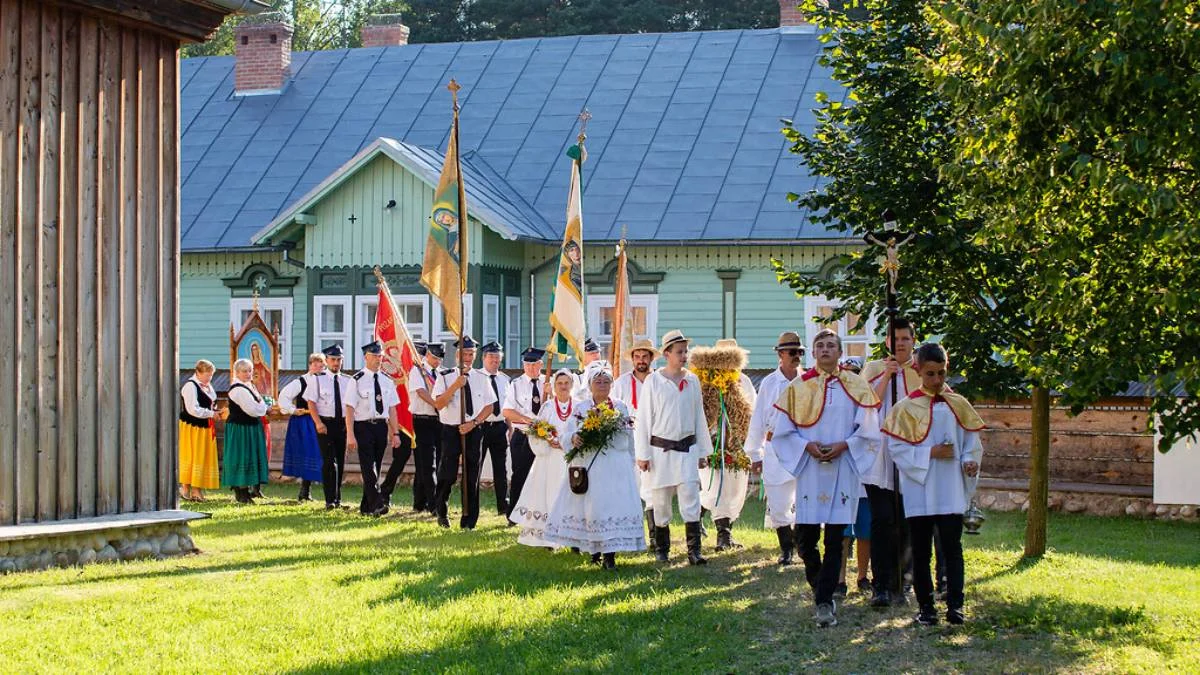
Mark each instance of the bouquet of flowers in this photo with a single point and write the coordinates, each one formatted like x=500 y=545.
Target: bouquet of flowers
x=735 y=460
x=543 y=430
x=597 y=428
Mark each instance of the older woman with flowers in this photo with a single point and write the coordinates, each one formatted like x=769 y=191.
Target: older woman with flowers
x=549 y=471
x=598 y=509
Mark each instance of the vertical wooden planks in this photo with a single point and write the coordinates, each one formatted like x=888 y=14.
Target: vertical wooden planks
x=108 y=278
x=68 y=253
x=10 y=169
x=144 y=135
x=125 y=368
x=26 y=263
x=168 y=345
x=87 y=287
x=46 y=335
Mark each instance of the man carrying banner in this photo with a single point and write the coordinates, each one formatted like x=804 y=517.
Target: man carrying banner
x=399 y=357
x=461 y=394
x=427 y=428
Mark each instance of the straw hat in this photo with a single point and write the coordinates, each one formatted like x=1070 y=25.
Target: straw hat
x=643 y=345
x=789 y=340
x=729 y=343
x=671 y=338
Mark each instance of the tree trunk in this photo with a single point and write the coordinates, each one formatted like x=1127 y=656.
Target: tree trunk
x=1039 y=475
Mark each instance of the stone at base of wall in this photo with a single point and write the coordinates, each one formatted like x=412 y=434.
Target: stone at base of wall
x=154 y=542
x=1085 y=502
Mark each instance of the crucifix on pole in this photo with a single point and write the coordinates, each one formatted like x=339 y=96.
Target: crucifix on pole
x=890 y=241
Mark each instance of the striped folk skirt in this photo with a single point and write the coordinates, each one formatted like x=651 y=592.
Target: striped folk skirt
x=245 y=461
x=302 y=449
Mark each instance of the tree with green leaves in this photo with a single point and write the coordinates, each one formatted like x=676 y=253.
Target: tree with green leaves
x=1008 y=300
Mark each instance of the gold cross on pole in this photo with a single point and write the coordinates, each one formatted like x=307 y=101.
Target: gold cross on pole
x=584 y=116
x=454 y=86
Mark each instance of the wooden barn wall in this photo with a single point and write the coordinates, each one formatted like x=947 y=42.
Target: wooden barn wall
x=88 y=265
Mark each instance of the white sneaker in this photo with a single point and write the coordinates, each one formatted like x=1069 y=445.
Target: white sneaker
x=825 y=615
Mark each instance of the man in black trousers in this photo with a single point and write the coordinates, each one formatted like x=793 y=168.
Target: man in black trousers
x=464 y=399
x=426 y=427
x=331 y=396
x=375 y=427
x=495 y=428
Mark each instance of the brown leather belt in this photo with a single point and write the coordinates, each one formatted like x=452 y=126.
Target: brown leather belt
x=682 y=445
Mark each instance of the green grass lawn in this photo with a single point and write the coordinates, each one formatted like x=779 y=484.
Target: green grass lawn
x=290 y=588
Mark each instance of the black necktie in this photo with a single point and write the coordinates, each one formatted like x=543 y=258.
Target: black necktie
x=378 y=395
x=496 y=405
x=337 y=398
x=467 y=396
x=537 y=397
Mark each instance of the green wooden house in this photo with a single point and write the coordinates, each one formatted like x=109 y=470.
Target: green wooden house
x=295 y=186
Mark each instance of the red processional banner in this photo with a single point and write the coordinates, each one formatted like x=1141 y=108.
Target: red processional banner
x=399 y=354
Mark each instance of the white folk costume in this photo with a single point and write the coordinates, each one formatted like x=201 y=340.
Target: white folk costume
x=826 y=408
x=880 y=473
x=671 y=433
x=778 y=483
x=729 y=399
x=546 y=477
x=936 y=491
x=608 y=517
x=627 y=389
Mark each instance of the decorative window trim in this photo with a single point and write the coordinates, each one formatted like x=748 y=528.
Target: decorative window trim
x=812 y=305
x=512 y=331
x=641 y=282
x=263 y=278
x=284 y=305
x=361 y=302
x=347 y=333
x=598 y=301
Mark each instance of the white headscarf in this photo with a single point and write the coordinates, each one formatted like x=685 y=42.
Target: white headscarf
x=597 y=367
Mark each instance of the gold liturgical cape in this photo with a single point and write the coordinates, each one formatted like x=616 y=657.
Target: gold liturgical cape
x=910 y=420
x=804 y=399
x=875 y=369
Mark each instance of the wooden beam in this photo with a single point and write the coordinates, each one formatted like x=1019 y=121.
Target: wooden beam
x=47 y=267
x=68 y=305
x=10 y=44
x=146 y=390
x=181 y=19
x=108 y=278
x=27 y=269
x=87 y=286
x=168 y=470
x=125 y=368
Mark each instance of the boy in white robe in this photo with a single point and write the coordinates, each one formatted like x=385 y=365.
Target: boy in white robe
x=935 y=444
x=828 y=430
x=672 y=444
x=778 y=484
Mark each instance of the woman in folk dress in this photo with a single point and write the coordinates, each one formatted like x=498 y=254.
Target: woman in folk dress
x=198 y=469
x=549 y=471
x=608 y=517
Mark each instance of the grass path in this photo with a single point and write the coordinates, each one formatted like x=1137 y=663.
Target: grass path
x=290 y=588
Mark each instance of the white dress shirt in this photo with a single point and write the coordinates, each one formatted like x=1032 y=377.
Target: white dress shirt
x=671 y=411
x=628 y=390
x=482 y=395
x=937 y=486
x=501 y=390
x=320 y=392
x=243 y=397
x=420 y=377
x=287 y=395
x=762 y=421
x=363 y=395
x=519 y=398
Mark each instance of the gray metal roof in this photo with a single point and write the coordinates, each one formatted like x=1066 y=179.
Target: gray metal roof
x=684 y=141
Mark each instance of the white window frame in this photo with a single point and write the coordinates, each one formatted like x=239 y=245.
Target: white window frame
x=491 y=318
x=347 y=334
x=284 y=305
x=417 y=331
x=468 y=320
x=596 y=302
x=812 y=305
x=512 y=331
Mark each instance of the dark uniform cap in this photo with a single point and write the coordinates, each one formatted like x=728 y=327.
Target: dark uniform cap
x=533 y=355
x=467 y=342
x=334 y=350
x=420 y=346
x=492 y=347
x=372 y=348
x=590 y=345
x=437 y=349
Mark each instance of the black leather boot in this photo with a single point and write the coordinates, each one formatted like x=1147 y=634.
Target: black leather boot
x=610 y=561
x=305 y=491
x=692 y=531
x=650 y=538
x=786 y=545
x=256 y=491
x=241 y=495
x=725 y=540
x=662 y=536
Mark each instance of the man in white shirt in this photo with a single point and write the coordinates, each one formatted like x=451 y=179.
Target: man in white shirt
x=464 y=399
x=522 y=403
x=333 y=390
x=672 y=444
x=626 y=389
x=426 y=427
x=494 y=441
x=779 y=485
x=372 y=404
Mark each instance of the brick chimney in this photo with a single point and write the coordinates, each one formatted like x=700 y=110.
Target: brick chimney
x=789 y=14
x=384 y=30
x=263 y=54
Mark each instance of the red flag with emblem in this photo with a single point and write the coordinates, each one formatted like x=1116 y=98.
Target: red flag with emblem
x=399 y=354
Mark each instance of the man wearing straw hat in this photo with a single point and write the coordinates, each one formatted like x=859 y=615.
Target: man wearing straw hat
x=627 y=389
x=672 y=444
x=779 y=485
